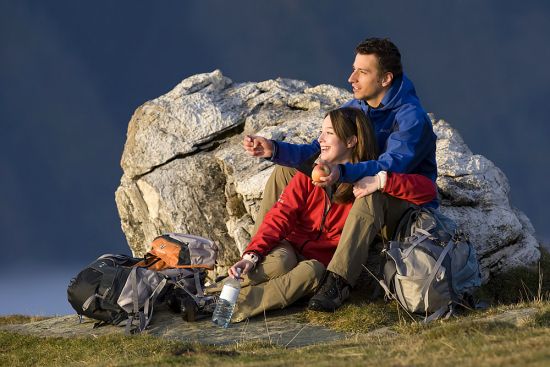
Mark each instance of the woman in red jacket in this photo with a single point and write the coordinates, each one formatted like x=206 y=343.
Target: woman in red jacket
x=287 y=257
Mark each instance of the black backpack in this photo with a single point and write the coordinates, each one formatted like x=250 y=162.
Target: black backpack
x=115 y=288
x=111 y=290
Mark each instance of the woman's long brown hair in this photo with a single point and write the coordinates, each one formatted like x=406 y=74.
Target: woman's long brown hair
x=347 y=122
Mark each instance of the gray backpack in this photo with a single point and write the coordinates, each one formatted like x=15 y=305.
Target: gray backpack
x=431 y=267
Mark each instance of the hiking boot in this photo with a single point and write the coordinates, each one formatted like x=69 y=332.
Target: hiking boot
x=333 y=291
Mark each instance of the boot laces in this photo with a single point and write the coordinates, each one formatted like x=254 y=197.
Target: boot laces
x=332 y=287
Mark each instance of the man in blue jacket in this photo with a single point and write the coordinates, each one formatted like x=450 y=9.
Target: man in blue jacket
x=406 y=143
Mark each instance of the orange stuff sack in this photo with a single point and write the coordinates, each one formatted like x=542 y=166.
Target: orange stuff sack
x=180 y=251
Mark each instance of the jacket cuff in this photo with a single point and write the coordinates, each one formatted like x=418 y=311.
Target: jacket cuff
x=275 y=151
x=382 y=179
x=252 y=256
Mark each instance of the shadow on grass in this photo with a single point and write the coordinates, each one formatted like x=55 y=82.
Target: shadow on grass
x=542 y=319
x=521 y=284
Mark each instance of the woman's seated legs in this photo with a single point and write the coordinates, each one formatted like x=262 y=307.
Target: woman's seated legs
x=280 y=291
x=279 y=261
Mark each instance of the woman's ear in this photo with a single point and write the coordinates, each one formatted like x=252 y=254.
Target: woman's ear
x=352 y=142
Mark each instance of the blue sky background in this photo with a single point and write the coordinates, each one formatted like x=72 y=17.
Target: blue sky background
x=73 y=72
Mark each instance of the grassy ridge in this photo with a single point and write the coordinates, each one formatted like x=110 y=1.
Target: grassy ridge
x=19 y=319
x=514 y=288
x=466 y=340
x=463 y=341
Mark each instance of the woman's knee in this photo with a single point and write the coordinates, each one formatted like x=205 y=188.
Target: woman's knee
x=283 y=259
x=279 y=261
x=368 y=206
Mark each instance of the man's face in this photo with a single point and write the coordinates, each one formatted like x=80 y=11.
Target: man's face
x=367 y=80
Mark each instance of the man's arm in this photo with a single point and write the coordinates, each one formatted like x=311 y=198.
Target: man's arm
x=405 y=149
x=293 y=155
x=279 y=152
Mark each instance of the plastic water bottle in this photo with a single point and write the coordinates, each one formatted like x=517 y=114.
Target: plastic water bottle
x=226 y=303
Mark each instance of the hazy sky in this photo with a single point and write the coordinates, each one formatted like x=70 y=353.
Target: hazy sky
x=73 y=72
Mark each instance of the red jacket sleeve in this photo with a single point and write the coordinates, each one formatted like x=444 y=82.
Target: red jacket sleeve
x=281 y=218
x=417 y=189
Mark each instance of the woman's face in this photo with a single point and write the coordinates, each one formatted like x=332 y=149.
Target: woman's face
x=333 y=150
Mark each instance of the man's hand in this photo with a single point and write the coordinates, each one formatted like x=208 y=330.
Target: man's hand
x=244 y=265
x=258 y=146
x=366 y=186
x=330 y=179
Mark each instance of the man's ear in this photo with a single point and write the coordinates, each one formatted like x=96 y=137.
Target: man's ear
x=387 y=78
x=352 y=142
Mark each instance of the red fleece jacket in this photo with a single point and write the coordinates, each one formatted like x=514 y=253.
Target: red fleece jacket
x=298 y=215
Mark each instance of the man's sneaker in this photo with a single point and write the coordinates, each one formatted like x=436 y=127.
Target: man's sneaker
x=333 y=291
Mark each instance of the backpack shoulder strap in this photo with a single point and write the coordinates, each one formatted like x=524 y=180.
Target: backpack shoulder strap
x=416 y=241
x=404 y=223
x=143 y=317
x=426 y=286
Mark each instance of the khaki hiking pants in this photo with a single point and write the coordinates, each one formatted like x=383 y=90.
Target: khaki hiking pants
x=369 y=216
x=276 y=282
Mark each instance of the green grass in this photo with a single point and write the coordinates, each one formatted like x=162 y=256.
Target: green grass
x=520 y=284
x=356 y=317
x=19 y=319
x=468 y=340
x=463 y=341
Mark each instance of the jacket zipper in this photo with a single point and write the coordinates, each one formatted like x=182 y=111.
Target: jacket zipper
x=325 y=212
x=326 y=209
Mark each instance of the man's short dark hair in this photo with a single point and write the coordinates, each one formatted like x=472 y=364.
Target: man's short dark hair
x=389 y=57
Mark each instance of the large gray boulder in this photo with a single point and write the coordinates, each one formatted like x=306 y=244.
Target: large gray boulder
x=185 y=170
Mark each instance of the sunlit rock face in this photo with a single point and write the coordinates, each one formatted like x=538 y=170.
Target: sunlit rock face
x=185 y=170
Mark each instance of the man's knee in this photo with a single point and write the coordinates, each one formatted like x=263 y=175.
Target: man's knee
x=279 y=179
x=282 y=175
x=368 y=206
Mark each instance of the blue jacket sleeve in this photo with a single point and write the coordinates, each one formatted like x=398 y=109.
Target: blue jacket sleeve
x=292 y=155
x=406 y=147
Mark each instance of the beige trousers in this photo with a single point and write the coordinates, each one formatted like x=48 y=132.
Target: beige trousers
x=369 y=216
x=276 y=282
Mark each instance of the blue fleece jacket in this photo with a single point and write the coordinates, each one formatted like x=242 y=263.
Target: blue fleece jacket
x=404 y=133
